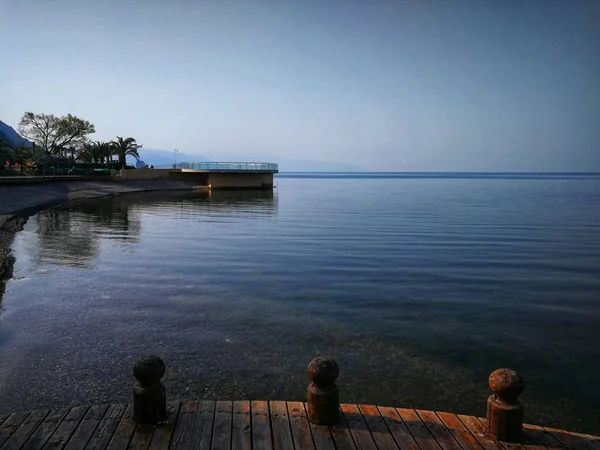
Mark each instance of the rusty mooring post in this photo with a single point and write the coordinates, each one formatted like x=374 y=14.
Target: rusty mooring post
x=323 y=399
x=504 y=410
x=149 y=395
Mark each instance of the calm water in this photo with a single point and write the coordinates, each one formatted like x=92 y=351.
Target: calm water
x=418 y=287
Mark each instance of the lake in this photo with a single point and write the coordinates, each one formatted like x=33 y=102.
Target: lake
x=419 y=287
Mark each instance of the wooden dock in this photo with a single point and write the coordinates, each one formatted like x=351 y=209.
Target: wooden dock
x=265 y=425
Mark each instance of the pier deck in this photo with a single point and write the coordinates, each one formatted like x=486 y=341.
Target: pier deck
x=265 y=425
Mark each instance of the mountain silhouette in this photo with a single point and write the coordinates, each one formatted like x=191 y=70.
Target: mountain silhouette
x=8 y=132
x=163 y=159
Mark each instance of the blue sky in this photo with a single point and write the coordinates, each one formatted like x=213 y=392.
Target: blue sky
x=391 y=85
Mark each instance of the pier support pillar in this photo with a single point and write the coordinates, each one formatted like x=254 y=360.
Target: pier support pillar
x=323 y=400
x=149 y=394
x=504 y=410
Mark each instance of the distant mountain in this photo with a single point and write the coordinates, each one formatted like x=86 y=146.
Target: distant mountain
x=163 y=159
x=12 y=135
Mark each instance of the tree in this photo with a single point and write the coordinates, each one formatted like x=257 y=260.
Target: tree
x=104 y=151
x=71 y=152
x=55 y=134
x=20 y=153
x=96 y=152
x=86 y=154
x=123 y=147
x=25 y=154
x=7 y=150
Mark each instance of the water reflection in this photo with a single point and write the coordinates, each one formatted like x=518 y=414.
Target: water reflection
x=7 y=259
x=72 y=235
x=64 y=237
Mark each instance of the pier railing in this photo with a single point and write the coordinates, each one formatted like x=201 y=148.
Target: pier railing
x=229 y=166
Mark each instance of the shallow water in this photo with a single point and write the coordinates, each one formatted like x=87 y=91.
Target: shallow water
x=417 y=287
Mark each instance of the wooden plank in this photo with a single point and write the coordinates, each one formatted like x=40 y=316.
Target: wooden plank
x=479 y=432
x=25 y=430
x=10 y=425
x=203 y=426
x=66 y=428
x=505 y=445
x=86 y=428
x=261 y=426
x=163 y=432
x=585 y=435
x=379 y=430
x=358 y=428
x=530 y=443
x=184 y=430
x=592 y=440
x=542 y=436
x=341 y=434
x=280 y=423
x=418 y=429
x=402 y=436
x=512 y=446
x=106 y=427
x=323 y=437
x=301 y=434
x=570 y=440
x=124 y=430
x=459 y=431
x=241 y=432
x=282 y=426
x=41 y=435
x=436 y=427
x=142 y=435
x=3 y=417
x=534 y=438
x=221 y=438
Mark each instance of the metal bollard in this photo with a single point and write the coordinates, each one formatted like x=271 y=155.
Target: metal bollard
x=504 y=410
x=323 y=402
x=149 y=394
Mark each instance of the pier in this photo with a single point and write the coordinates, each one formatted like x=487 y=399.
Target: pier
x=152 y=422
x=209 y=175
x=213 y=175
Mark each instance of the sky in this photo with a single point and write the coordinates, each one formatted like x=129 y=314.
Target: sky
x=414 y=85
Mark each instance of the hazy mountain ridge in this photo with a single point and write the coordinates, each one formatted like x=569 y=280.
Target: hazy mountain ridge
x=164 y=159
x=12 y=135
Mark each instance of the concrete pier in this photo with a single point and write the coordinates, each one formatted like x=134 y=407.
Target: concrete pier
x=214 y=175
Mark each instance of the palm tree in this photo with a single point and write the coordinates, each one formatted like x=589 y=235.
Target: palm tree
x=123 y=147
x=86 y=153
x=104 y=150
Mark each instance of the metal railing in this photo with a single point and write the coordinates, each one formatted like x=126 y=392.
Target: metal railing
x=230 y=166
